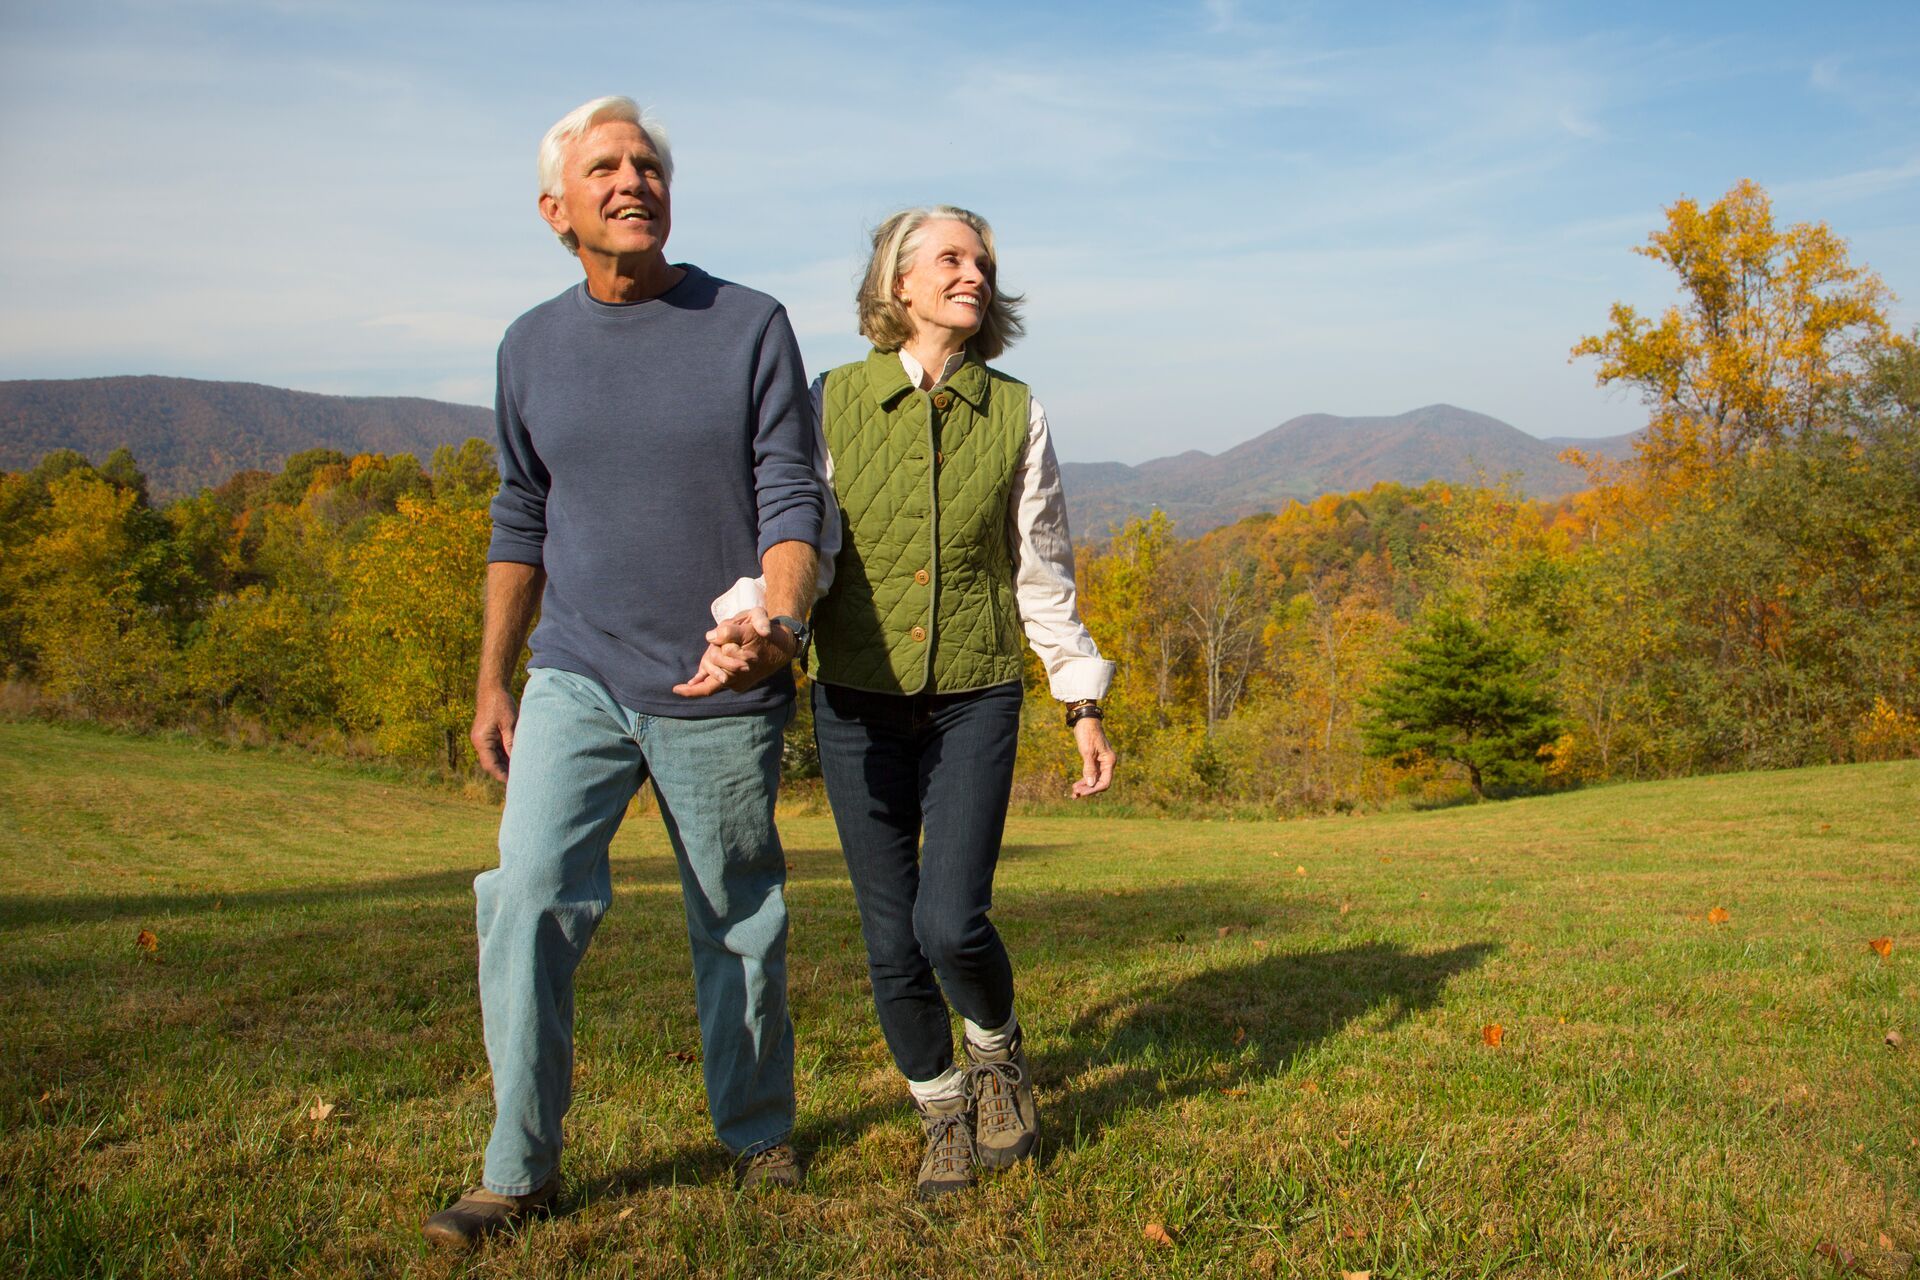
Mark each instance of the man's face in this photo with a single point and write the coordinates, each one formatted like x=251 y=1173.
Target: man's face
x=613 y=194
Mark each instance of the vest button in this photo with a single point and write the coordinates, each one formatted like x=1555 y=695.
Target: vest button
x=942 y=400
x=921 y=577
x=940 y=458
x=919 y=633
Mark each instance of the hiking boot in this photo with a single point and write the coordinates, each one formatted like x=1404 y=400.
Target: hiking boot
x=948 y=1165
x=1006 y=1123
x=480 y=1212
x=777 y=1166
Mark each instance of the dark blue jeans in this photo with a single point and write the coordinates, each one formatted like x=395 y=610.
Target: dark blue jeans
x=919 y=786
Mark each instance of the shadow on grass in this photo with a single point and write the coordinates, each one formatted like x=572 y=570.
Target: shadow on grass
x=357 y=987
x=1234 y=1025
x=19 y=910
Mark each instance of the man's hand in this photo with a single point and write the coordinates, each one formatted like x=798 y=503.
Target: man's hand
x=741 y=652
x=495 y=714
x=1096 y=759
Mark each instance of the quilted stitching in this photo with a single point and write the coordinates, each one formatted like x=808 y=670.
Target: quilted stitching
x=949 y=519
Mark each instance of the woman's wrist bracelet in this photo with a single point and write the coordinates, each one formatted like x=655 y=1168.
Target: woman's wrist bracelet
x=1084 y=709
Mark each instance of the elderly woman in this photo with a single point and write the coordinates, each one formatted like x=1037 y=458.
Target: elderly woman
x=953 y=541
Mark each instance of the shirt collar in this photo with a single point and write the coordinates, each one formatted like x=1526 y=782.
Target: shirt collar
x=892 y=377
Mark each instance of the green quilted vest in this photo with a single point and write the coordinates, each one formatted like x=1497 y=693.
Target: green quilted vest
x=922 y=596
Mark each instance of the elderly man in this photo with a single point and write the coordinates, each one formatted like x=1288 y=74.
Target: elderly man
x=656 y=445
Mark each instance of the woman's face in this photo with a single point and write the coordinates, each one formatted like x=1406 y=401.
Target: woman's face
x=944 y=287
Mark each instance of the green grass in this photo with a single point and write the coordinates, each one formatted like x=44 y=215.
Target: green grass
x=1286 y=1070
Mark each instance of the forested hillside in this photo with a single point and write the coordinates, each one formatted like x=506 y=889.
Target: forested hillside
x=190 y=434
x=1319 y=453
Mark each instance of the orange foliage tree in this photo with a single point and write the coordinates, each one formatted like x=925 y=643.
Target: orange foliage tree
x=1772 y=327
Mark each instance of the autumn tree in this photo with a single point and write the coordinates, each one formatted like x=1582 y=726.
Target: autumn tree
x=407 y=640
x=1772 y=326
x=1465 y=694
x=264 y=654
x=465 y=475
x=88 y=616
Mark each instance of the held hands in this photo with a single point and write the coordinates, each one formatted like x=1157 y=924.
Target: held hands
x=495 y=714
x=1096 y=759
x=741 y=652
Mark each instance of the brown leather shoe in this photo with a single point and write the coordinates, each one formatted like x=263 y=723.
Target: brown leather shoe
x=480 y=1212
x=1007 y=1122
x=777 y=1166
x=947 y=1166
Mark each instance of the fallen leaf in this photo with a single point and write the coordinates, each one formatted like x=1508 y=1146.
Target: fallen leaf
x=1308 y=1086
x=1344 y=1139
x=1235 y=1093
x=1826 y=826
x=1719 y=915
x=147 y=942
x=624 y=1214
x=46 y=1095
x=1886 y=1241
x=1492 y=1033
x=1895 y=1040
x=1842 y=1258
x=1299 y=871
x=319 y=1111
x=1239 y=1035
x=1346 y=907
x=683 y=1055
x=1882 y=947
x=1156 y=1233
x=1356 y=1275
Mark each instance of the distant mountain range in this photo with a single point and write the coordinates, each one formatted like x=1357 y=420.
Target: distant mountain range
x=188 y=434
x=1320 y=453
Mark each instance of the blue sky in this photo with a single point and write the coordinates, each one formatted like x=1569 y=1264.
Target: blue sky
x=1223 y=214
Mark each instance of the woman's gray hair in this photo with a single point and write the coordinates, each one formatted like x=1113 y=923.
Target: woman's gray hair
x=571 y=126
x=884 y=320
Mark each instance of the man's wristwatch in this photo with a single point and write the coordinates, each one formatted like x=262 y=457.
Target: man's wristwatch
x=1084 y=709
x=802 y=636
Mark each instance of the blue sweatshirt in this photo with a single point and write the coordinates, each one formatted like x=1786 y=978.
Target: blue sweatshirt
x=650 y=452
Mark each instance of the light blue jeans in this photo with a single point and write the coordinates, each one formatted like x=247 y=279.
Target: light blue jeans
x=578 y=758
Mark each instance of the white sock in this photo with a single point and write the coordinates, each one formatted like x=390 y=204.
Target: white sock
x=945 y=1087
x=998 y=1040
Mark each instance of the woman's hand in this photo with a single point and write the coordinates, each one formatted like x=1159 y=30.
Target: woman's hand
x=1096 y=759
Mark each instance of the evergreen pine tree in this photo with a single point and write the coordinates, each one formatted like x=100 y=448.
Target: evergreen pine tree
x=1464 y=694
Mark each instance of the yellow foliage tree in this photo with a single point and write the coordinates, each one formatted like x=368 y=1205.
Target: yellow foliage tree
x=98 y=642
x=407 y=640
x=1772 y=328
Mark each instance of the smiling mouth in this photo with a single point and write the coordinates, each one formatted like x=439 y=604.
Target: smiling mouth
x=633 y=215
x=966 y=300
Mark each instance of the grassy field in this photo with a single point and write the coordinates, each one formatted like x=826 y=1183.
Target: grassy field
x=1266 y=1039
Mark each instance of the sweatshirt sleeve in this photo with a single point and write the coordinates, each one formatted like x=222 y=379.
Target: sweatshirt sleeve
x=520 y=507
x=751 y=593
x=786 y=489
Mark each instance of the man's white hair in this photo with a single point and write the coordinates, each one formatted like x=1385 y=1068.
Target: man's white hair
x=571 y=126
